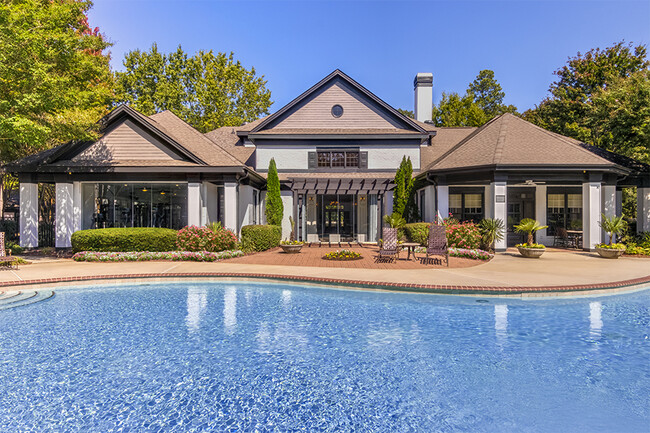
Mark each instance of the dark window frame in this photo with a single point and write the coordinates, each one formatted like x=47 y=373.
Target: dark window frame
x=463 y=214
x=343 y=158
x=551 y=220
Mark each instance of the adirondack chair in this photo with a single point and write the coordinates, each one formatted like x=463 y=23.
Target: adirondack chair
x=436 y=244
x=389 y=250
x=312 y=238
x=4 y=258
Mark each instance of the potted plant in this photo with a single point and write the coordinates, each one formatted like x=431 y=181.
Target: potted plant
x=530 y=249
x=614 y=225
x=292 y=246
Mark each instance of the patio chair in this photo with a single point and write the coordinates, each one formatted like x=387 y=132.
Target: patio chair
x=361 y=238
x=389 y=250
x=561 y=238
x=4 y=258
x=313 y=239
x=436 y=244
x=335 y=239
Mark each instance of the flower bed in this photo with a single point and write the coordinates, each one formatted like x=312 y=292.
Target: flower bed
x=464 y=253
x=143 y=256
x=470 y=254
x=342 y=255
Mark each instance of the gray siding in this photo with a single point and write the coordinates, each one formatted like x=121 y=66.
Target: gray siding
x=358 y=112
x=127 y=141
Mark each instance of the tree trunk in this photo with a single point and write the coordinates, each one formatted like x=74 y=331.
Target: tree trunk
x=530 y=239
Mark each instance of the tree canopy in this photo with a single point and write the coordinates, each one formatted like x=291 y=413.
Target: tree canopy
x=601 y=98
x=55 y=80
x=208 y=90
x=488 y=94
x=482 y=101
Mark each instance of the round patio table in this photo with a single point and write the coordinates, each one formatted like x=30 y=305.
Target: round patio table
x=411 y=248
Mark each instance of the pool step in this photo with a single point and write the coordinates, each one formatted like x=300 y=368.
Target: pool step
x=21 y=299
x=11 y=294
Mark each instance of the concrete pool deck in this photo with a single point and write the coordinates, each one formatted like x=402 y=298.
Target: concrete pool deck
x=508 y=273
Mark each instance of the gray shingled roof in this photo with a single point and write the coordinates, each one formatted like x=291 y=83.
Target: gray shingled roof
x=508 y=140
x=193 y=140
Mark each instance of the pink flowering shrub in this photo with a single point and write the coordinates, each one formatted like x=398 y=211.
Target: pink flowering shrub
x=143 y=256
x=193 y=238
x=465 y=235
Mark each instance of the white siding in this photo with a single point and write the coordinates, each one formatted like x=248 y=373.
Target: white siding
x=294 y=157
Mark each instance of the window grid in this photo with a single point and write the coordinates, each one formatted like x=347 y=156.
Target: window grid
x=338 y=159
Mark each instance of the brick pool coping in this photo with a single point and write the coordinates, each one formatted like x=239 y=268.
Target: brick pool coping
x=617 y=286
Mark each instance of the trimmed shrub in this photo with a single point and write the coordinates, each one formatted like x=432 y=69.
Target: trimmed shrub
x=124 y=239
x=417 y=232
x=260 y=237
x=463 y=235
x=214 y=239
x=274 y=208
x=10 y=227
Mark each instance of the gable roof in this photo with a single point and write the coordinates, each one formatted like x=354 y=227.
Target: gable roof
x=508 y=140
x=195 y=148
x=410 y=124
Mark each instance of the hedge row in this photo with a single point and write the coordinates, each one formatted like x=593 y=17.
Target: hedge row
x=124 y=239
x=260 y=237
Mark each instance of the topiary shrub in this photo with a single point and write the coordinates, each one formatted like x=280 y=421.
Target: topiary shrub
x=260 y=237
x=124 y=239
x=463 y=235
x=214 y=238
x=417 y=232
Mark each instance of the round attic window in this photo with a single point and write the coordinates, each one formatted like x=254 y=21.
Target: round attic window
x=337 y=111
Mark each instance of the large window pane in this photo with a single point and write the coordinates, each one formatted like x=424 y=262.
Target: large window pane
x=123 y=205
x=179 y=205
x=161 y=205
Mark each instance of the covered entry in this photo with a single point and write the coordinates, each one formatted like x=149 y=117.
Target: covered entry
x=521 y=204
x=351 y=208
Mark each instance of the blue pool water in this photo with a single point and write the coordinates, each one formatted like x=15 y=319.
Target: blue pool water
x=262 y=357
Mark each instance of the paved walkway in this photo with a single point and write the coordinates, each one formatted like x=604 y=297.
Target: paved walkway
x=556 y=269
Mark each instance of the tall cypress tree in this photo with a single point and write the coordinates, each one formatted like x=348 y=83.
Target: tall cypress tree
x=399 y=197
x=410 y=208
x=274 y=208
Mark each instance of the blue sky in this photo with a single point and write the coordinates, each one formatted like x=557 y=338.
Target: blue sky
x=381 y=44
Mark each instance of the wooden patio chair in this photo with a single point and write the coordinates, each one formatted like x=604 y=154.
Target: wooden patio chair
x=389 y=250
x=335 y=239
x=436 y=244
x=313 y=239
x=361 y=238
x=4 y=258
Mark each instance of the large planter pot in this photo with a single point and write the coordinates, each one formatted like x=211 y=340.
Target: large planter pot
x=609 y=253
x=531 y=253
x=291 y=249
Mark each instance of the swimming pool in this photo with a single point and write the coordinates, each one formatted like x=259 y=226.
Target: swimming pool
x=273 y=357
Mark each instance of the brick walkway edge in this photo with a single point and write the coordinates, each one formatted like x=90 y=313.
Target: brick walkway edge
x=374 y=285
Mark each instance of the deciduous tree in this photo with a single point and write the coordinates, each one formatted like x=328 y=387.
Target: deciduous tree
x=208 y=90
x=55 y=81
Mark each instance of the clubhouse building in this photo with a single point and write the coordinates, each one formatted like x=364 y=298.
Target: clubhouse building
x=337 y=147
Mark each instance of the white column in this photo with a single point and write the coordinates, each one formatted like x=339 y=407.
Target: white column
x=498 y=196
x=591 y=208
x=372 y=218
x=643 y=209
x=429 y=203
x=287 y=203
x=194 y=203
x=619 y=202
x=28 y=215
x=64 y=218
x=230 y=203
x=541 y=214
x=77 y=203
x=442 y=198
x=608 y=203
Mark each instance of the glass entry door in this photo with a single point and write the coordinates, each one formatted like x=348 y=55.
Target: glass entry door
x=337 y=215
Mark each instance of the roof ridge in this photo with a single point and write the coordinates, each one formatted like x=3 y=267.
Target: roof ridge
x=501 y=139
x=204 y=137
x=560 y=137
x=471 y=135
